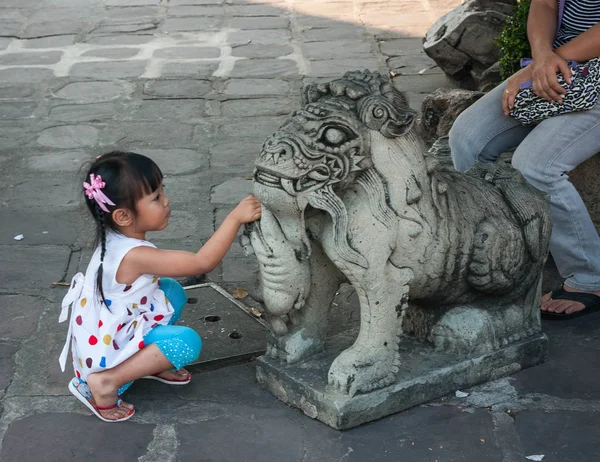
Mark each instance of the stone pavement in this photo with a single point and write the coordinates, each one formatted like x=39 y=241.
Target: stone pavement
x=197 y=85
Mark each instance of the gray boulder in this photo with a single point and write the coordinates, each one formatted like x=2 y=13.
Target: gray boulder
x=490 y=78
x=440 y=109
x=585 y=179
x=462 y=41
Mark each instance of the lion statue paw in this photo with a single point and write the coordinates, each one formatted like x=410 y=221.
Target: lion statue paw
x=294 y=347
x=358 y=371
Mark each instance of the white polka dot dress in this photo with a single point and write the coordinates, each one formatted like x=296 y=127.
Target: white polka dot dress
x=105 y=335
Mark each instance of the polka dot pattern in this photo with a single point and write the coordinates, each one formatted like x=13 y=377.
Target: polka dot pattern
x=178 y=352
x=112 y=334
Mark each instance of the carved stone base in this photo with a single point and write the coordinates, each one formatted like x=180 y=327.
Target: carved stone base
x=425 y=375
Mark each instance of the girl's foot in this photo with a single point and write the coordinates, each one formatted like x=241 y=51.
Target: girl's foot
x=179 y=375
x=105 y=400
x=172 y=377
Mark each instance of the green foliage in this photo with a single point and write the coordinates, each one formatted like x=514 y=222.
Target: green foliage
x=513 y=41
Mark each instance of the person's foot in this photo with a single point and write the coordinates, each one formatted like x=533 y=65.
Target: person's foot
x=550 y=305
x=178 y=375
x=105 y=396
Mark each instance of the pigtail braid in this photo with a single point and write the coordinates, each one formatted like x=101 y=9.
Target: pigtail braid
x=116 y=180
x=99 y=216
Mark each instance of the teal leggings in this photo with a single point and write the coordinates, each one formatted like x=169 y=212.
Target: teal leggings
x=180 y=345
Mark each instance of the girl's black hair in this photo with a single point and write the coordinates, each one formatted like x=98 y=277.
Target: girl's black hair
x=128 y=177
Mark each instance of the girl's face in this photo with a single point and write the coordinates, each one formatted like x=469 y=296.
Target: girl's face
x=153 y=212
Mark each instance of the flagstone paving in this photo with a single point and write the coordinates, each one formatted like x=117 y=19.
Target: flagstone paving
x=197 y=85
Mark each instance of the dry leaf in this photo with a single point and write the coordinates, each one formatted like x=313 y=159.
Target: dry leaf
x=482 y=440
x=65 y=284
x=240 y=293
x=256 y=312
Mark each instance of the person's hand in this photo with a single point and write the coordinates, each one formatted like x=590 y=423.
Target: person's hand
x=249 y=209
x=513 y=85
x=543 y=72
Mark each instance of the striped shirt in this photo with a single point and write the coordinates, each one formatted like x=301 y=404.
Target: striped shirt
x=578 y=16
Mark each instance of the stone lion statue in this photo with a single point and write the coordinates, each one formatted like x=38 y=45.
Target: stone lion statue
x=351 y=194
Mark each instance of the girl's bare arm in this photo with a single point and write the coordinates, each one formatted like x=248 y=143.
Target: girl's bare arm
x=177 y=263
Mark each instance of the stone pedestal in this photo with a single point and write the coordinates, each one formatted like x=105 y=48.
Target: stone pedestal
x=425 y=374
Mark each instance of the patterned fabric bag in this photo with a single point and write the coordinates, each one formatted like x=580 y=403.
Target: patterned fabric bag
x=582 y=94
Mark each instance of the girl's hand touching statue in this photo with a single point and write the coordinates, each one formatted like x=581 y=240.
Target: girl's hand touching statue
x=249 y=209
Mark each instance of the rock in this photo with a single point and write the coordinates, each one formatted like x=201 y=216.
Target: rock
x=490 y=78
x=441 y=108
x=585 y=179
x=462 y=41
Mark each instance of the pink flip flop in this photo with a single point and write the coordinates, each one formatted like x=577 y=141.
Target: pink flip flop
x=80 y=389
x=185 y=381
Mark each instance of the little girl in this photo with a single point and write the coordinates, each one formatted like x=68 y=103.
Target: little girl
x=122 y=313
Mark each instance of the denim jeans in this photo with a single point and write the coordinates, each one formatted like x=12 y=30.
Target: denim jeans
x=545 y=155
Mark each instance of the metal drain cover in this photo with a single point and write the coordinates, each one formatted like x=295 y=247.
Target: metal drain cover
x=230 y=333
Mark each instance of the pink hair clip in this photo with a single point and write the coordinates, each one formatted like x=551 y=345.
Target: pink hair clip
x=93 y=190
